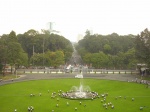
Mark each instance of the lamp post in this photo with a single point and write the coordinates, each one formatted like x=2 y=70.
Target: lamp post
x=33 y=55
x=43 y=50
x=16 y=73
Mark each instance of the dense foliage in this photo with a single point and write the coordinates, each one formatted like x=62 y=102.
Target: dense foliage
x=11 y=51
x=34 y=48
x=143 y=47
x=100 y=51
x=38 y=44
x=109 y=51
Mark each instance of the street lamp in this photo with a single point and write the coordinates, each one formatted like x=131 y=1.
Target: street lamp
x=33 y=55
x=43 y=50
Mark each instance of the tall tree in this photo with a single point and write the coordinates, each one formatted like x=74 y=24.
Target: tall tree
x=143 y=46
x=3 y=55
x=12 y=37
x=15 y=52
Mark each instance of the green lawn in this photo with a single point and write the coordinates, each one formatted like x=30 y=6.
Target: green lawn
x=8 y=76
x=17 y=96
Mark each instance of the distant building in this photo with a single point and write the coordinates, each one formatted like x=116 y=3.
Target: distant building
x=51 y=27
x=91 y=32
x=8 y=68
x=79 y=37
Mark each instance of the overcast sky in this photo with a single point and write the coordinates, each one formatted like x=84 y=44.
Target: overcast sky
x=73 y=17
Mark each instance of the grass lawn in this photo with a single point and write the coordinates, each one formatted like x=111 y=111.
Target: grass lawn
x=120 y=94
x=8 y=76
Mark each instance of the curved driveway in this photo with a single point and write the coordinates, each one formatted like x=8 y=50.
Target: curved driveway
x=26 y=77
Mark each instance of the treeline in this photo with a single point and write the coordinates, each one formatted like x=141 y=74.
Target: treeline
x=34 y=49
x=108 y=51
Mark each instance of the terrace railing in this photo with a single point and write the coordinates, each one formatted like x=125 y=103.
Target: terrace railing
x=88 y=71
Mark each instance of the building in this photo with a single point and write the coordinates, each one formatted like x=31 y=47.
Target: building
x=79 y=37
x=51 y=27
x=8 y=68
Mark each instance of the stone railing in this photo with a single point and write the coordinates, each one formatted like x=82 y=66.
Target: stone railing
x=98 y=71
x=89 y=71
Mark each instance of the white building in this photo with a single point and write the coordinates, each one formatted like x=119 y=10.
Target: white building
x=79 y=37
x=51 y=27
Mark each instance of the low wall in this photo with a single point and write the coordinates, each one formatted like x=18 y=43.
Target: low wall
x=61 y=71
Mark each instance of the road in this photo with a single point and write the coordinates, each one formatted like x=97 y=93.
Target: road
x=76 y=58
x=27 y=77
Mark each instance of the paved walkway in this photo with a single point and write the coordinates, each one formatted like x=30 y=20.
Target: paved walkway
x=26 y=77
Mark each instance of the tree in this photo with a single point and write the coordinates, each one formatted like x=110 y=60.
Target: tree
x=32 y=32
x=2 y=55
x=99 y=60
x=33 y=42
x=16 y=54
x=3 y=50
x=131 y=58
x=50 y=58
x=12 y=37
x=107 y=48
x=114 y=47
x=87 y=58
x=59 y=60
x=87 y=33
x=37 y=59
x=11 y=51
x=143 y=47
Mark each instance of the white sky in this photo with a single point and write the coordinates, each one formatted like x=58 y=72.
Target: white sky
x=73 y=17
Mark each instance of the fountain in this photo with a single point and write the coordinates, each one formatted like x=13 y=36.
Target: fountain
x=81 y=92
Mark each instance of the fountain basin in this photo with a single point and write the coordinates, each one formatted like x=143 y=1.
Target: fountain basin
x=80 y=95
x=81 y=92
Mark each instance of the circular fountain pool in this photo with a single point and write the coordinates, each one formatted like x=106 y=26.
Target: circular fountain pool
x=80 y=92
